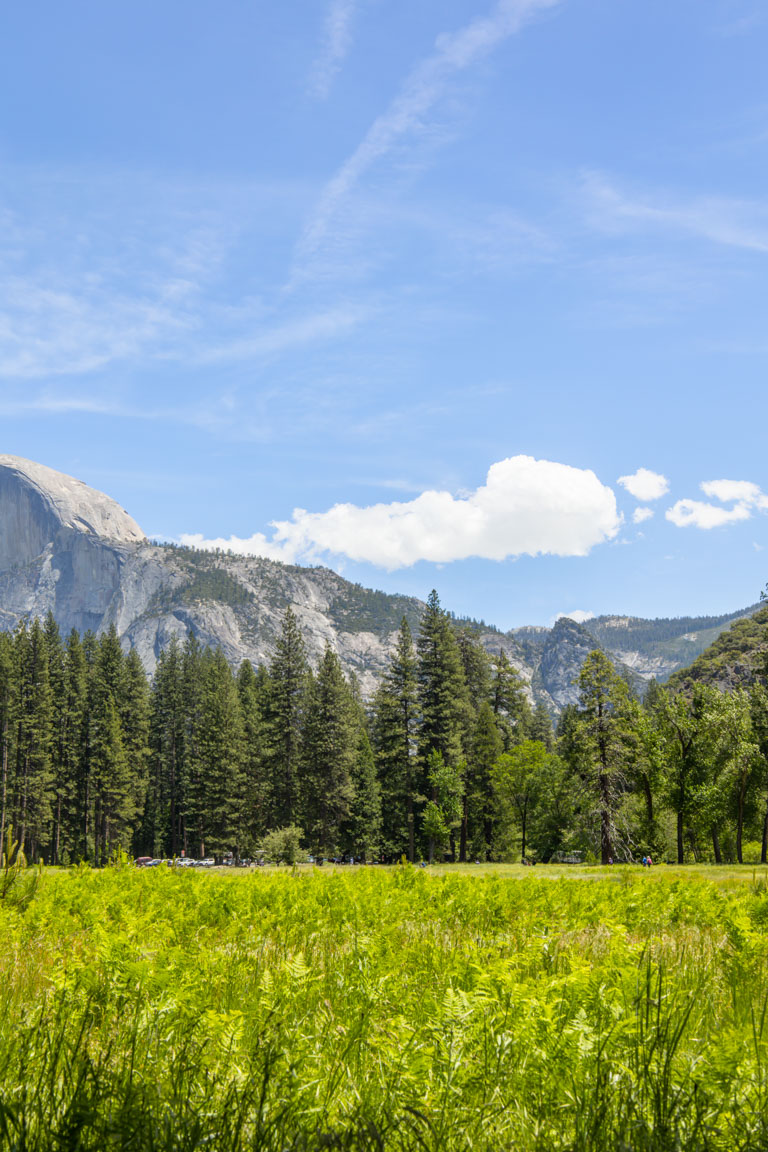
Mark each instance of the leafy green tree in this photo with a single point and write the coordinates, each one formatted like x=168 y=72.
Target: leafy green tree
x=759 y=711
x=518 y=777
x=738 y=752
x=442 y=813
x=683 y=726
x=283 y=845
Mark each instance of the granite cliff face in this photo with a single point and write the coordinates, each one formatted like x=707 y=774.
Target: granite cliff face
x=62 y=546
x=67 y=548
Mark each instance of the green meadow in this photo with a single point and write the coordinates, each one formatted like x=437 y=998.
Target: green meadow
x=371 y=1008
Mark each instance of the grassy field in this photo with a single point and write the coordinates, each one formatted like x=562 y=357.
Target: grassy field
x=404 y=1008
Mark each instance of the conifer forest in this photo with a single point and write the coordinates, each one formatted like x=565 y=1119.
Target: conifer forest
x=448 y=761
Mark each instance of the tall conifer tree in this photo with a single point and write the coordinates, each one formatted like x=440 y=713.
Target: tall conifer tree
x=289 y=679
x=395 y=739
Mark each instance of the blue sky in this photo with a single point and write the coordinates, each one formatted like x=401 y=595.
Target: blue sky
x=417 y=283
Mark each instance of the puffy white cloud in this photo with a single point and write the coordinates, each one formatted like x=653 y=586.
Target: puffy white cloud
x=578 y=614
x=645 y=485
x=698 y=514
x=743 y=496
x=642 y=514
x=742 y=490
x=526 y=507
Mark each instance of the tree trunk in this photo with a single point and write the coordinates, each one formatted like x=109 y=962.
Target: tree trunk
x=173 y=797
x=716 y=844
x=522 y=828
x=463 y=837
x=5 y=786
x=606 y=846
x=648 y=799
x=57 y=837
x=764 y=845
x=740 y=819
x=680 y=848
x=23 y=829
x=411 y=822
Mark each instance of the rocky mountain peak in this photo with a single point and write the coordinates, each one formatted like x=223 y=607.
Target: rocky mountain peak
x=38 y=505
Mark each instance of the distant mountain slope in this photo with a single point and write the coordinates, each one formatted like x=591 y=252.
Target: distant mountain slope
x=734 y=657
x=657 y=648
x=69 y=549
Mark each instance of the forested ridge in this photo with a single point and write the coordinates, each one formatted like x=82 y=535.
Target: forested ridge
x=448 y=758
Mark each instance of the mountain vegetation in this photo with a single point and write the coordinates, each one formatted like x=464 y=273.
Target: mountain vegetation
x=447 y=759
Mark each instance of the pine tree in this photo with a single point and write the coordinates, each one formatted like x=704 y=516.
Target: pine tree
x=362 y=829
x=217 y=802
x=510 y=703
x=34 y=733
x=602 y=739
x=252 y=690
x=72 y=785
x=395 y=732
x=162 y=820
x=328 y=760
x=540 y=727
x=443 y=695
x=114 y=806
x=8 y=700
x=478 y=806
x=289 y=679
x=190 y=785
x=135 y=710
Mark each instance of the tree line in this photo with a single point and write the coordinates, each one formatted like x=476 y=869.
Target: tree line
x=448 y=758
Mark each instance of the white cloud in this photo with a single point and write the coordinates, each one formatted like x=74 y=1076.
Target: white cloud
x=579 y=615
x=729 y=222
x=407 y=114
x=742 y=490
x=698 y=514
x=642 y=514
x=744 y=496
x=645 y=485
x=337 y=40
x=526 y=507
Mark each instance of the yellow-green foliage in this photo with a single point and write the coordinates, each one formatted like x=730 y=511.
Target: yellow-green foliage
x=384 y=1009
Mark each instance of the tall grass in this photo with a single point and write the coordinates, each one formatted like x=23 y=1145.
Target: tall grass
x=383 y=1010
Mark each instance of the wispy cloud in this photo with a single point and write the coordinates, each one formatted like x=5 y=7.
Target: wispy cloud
x=731 y=222
x=295 y=333
x=337 y=41
x=408 y=114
